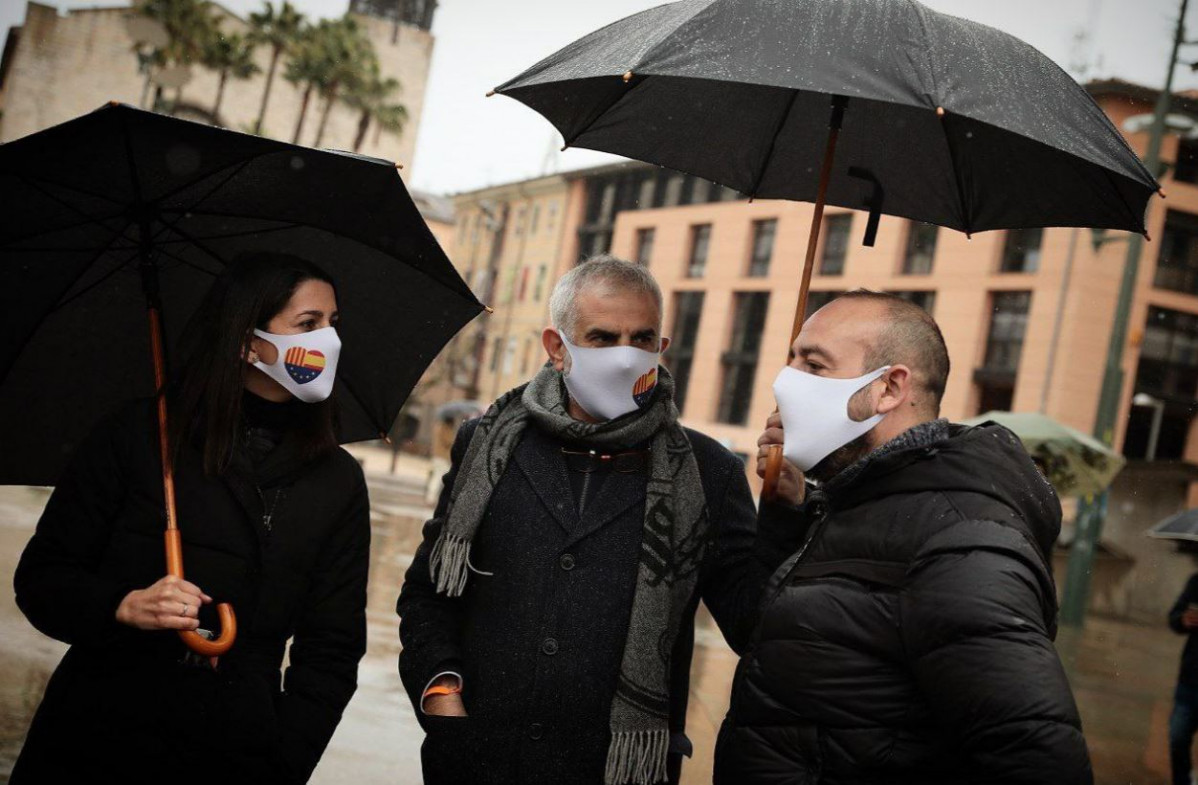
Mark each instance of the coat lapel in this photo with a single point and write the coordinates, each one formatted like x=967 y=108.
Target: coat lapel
x=541 y=461
x=617 y=493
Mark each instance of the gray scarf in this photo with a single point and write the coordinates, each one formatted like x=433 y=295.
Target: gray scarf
x=674 y=538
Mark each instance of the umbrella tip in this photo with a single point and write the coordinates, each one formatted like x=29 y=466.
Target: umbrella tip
x=969 y=235
x=114 y=103
x=627 y=77
x=565 y=147
x=940 y=111
x=490 y=93
x=1160 y=192
x=398 y=165
x=751 y=198
x=488 y=309
x=1147 y=237
x=385 y=438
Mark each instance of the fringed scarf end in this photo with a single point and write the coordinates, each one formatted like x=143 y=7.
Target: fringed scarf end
x=637 y=757
x=449 y=564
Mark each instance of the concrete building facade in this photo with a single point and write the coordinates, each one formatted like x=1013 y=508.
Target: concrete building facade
x=59 y=65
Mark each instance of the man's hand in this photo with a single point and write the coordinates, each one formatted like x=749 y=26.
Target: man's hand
x=1189 y=619
x=445 y=705
x=170 y=604
x=791 y=489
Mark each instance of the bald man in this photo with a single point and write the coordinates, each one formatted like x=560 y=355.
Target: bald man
x=910 y=639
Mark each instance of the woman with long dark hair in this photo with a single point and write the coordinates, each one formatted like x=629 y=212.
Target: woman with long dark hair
x=275 y=520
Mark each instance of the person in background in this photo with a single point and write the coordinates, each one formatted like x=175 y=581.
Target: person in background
x=1183 y=724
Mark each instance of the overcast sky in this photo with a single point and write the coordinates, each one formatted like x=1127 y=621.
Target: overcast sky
x=468 y=141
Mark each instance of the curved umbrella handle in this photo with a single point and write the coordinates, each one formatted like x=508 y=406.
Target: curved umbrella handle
x=773 y=472
x=228 y=620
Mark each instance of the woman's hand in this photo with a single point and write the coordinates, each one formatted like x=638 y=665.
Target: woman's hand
x=791 y=488
x=170 y=604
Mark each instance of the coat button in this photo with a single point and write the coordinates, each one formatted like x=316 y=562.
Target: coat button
x=566 y=561
x=536 y=731
x=549 y=646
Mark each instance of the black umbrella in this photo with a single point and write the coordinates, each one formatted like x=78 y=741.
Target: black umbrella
x=877 y=104
x=122 y=209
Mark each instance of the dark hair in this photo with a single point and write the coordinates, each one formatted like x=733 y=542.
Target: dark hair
x=210 y=381
x=911 y=338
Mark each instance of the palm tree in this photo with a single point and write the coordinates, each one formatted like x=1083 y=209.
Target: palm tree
x=189 y=24
x=370 y=96
x=229 y=55
x=350 y=55
x=390 y=118
x=306 y=67
x=280 y=30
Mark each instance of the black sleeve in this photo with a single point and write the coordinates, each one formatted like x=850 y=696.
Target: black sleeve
x=1189 y=596
x=746 y=549
x=430 y=623
x=330 y=639
x=978 y=647
x=57 y=581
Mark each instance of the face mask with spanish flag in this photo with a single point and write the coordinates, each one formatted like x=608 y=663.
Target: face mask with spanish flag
x=306 y=365
x=610 y=381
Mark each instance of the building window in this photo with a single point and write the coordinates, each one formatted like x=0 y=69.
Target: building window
x=496 y=353
x=524 y=274
x=1177 y=265
x=536 y=217
x=541 y=273
x=1168 y=376
x=700 y=240
x=644 y=246
x=1021 y=251
x=740 y=361
x=836 y=243
x=925 y=300
x=817 y=300
x=1004 y=345
x=921 y=248
x=763 y=247
x=552 y=221
x=1185 y=169
x=688 y=309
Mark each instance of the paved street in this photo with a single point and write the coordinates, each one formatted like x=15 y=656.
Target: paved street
x=1122 y=673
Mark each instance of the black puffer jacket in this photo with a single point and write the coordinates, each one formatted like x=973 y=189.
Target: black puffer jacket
x=910 y=641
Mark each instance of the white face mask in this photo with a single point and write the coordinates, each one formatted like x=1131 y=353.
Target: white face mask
x=815 y=414
x=307 y=362
x=610 y=381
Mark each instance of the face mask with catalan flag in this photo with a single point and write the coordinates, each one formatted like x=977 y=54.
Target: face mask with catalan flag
x=306 y=365
x=610 y=381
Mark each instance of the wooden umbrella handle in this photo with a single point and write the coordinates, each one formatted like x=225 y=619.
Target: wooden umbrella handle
x=228 y=620
x=773 y=472
x=174 y=538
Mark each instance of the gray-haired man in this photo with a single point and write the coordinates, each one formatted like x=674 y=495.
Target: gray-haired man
x=547 y=619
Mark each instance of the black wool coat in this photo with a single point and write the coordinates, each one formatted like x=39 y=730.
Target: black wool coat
x=539 y=642
x=121 y=707
x=912 y=642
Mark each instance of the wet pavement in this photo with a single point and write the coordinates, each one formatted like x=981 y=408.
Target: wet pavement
x=1122 y=674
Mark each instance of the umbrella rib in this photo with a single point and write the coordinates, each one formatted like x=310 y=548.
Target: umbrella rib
x=183 y=261
x=769 y=155
x=966 y=219
x=86 y=218
x=349 y=388
x=47 y=181
x=116 y=269
x=198 y=244
x=236 y=167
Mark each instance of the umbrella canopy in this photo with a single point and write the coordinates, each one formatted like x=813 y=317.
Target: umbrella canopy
x=1075 y=463
x=1182 y=526
x=946 y=121
x=94 y=204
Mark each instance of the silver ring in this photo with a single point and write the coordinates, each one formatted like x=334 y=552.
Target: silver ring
x=185 y=608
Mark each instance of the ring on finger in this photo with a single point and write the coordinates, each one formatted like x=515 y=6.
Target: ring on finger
x=186 y=608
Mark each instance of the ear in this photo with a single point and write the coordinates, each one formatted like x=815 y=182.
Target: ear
x=554 y=347
x=665 y=344
x=260 y=349
x=897 y=390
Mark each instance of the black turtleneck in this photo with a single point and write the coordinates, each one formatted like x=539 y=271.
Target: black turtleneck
x=266 y=422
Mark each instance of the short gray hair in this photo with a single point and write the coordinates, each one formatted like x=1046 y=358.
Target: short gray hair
x=602 y=269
